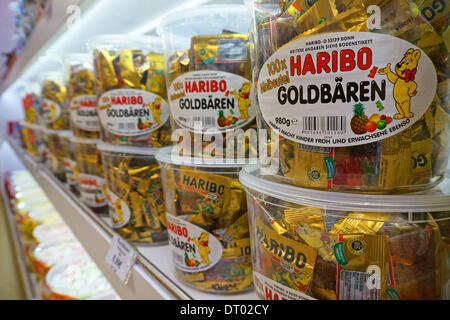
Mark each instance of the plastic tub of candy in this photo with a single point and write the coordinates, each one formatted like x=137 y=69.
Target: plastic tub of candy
x=313 y=244
x=55 y=143
x=53 y=109
x=134 y=193
x=70 y=165
x=359 y=101
x=81 y=97
x=207 y=221
x=132 y=103
x=39 y=216
x=90 y=173
x=208 y=67
x=76 y=280
x=31 y=101
x=53 y=252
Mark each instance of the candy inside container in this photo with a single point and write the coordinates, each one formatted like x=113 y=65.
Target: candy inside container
x=209 y=73
x=53 y=110
x=207 y=222
x=359 y=99
x=311 y=244
x=89 y=169
x=55 y=143
x=134 y=193
x=30 y=138
x=31 y=101
x=81 y=97
x=70 y=165
x=131 y=90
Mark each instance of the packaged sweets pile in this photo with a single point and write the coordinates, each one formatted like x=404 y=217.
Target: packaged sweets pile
x=134 y=193
x=343 y=246
x=31 y=101
x=353 y=96
x=131 y=91
x=209 y=78
x=207 y=220
x=90 y=172
x=70 y=165
x=81 y=98
x=53 y=108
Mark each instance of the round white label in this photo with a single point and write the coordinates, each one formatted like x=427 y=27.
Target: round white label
x=50 y=110
x=193 y=248
x=219 y=101
x=70 y=168
x=345 y=88
x=83 y=112
x=92 y=190
x=118 y=210
x=132 y=112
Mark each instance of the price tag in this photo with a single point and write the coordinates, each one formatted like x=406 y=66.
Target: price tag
x=121 y=257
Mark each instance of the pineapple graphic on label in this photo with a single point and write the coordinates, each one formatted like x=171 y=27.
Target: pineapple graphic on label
x=359 y=119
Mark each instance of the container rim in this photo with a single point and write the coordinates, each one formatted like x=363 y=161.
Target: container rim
x=103 y=146
x=59 y=133
x=76 y=139
x=111 y=39
x=200 y=11
x=436 y=199
x=164 y=155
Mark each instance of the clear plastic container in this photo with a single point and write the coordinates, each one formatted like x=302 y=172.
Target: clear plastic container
x=81 y=97
x=53 y=252
x=313 y=244
x=134 y=193
x=207 y=221
x=90 y=173
x=208 y=71
x=356 y=90
x=31 y=101
x=70 y=165
x=55 y=143
x=54 y=111
x=131 y=91
x=76 y=280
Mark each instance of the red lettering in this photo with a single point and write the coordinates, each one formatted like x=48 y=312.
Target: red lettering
x=322 y=62
x=347 y=60
x=308 y=65
x=201 y=86
x=296 y=65
x=364 y=58
x=222 y=85
x=334 y=60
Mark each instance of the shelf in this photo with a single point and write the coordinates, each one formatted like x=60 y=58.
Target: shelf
x=152 y=277
x=45 y=29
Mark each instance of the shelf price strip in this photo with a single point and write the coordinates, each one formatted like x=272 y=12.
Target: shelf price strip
x=121 y=257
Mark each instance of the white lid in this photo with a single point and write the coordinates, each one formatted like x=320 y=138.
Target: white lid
x=59 y=250
x=75 y=139
x=165 y=155
x=437 y=199
x=102 y=146
x=210 y=19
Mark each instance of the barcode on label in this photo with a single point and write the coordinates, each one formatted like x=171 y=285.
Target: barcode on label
x=206 y=121
x=353 y=286
x=127 y=125
x=305 y=147
x=324 y=124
